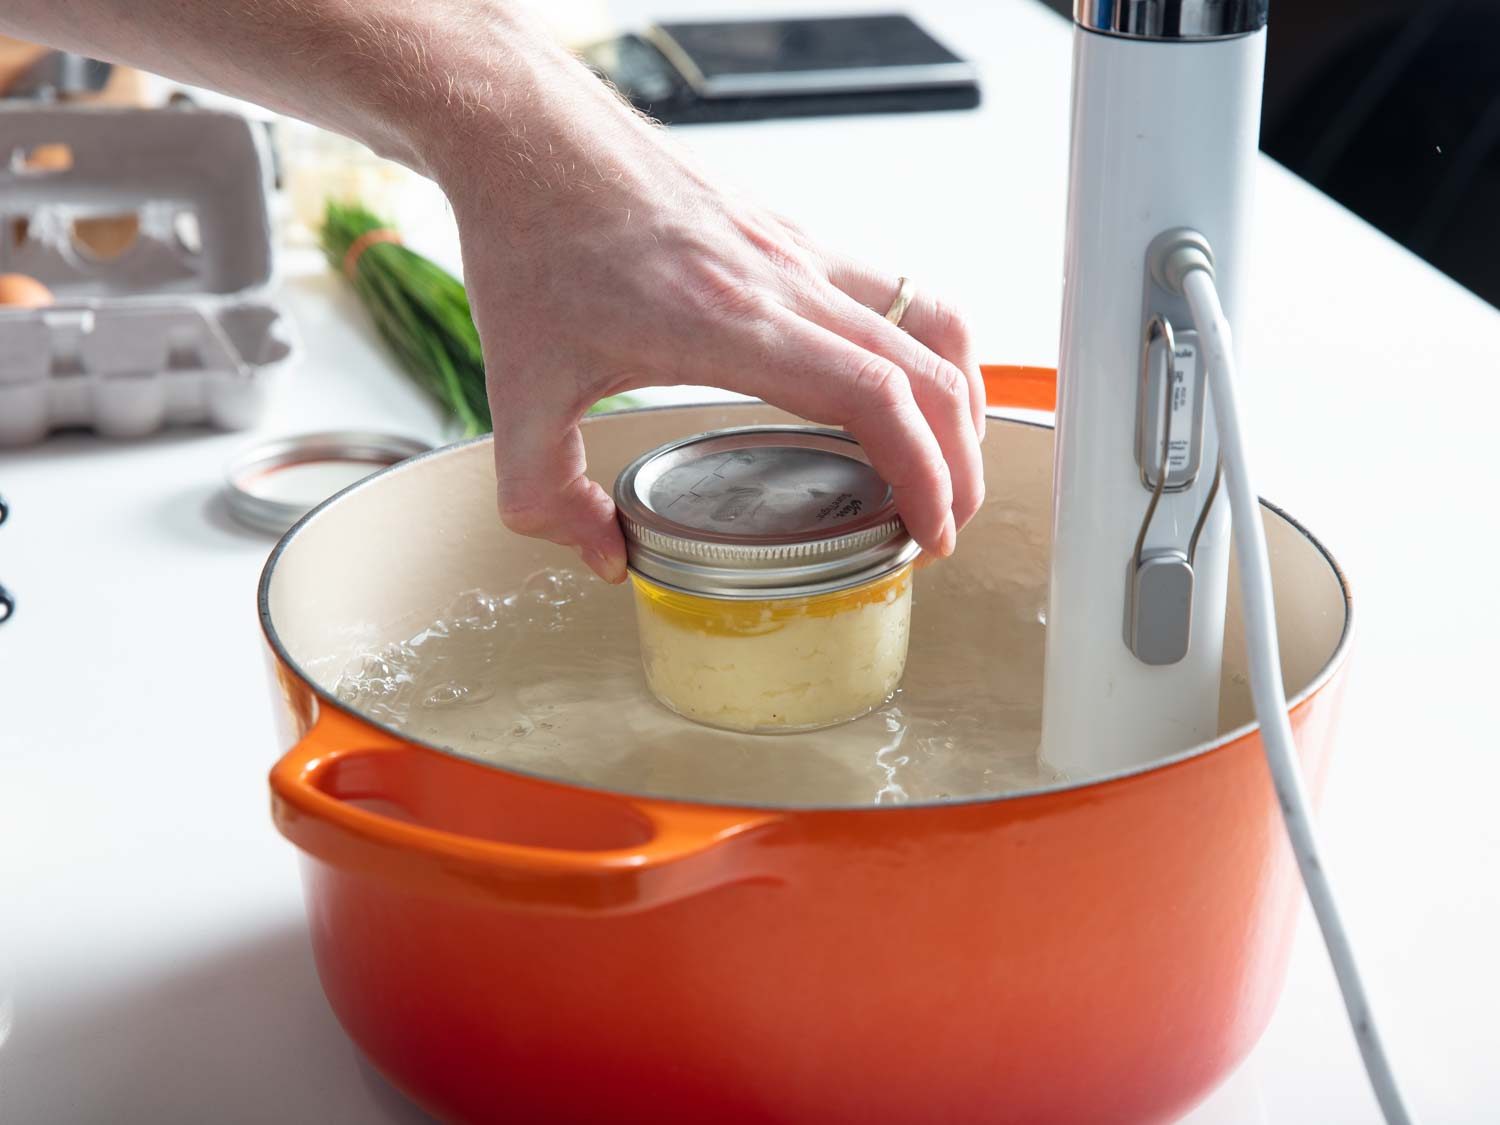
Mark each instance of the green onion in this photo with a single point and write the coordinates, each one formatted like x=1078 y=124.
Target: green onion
x=422 y=313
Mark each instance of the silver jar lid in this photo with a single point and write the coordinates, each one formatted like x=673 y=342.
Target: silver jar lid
x=760 y=512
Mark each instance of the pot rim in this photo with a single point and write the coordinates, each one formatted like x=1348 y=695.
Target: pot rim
x=1336 y=660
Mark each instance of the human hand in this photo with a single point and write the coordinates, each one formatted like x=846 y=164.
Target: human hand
x=599 y=260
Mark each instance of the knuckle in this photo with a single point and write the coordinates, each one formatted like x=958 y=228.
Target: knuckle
x=779 y=247
x=794 y=229
x=523 y=519
x=788 y=260
x=951 y=383
x=722 y=295
x=523 y=506
x=970 y=500
x=952 y=326
x=877 y=383
x=538 y=507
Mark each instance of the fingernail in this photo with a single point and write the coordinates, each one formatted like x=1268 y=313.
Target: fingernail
x=610 y=568
x=948 y=537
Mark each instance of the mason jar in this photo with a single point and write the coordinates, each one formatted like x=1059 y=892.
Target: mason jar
x=772 y=577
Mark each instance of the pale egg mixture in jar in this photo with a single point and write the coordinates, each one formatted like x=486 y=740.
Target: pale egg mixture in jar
x=775 y=666
x=772 y=578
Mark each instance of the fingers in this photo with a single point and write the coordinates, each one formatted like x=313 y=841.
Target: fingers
x=940 y=388
x=542 y=489
x=936 y=325
x=820 y=375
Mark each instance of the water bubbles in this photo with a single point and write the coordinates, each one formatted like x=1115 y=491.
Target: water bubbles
x=389 y=665
x=443 y=694
x=551 y=587
x=890 y=758
x=437 y=631
x=454 y=661
x=382 y=683
x=476 y=611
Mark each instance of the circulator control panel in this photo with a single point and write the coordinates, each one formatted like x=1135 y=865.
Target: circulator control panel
x=1171 y=397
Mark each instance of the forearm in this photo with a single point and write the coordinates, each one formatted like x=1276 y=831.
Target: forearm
x=421 y=81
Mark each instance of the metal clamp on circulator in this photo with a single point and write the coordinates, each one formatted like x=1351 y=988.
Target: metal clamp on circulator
x=1159 y=586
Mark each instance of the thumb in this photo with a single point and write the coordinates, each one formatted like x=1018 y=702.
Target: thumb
x=543 y=491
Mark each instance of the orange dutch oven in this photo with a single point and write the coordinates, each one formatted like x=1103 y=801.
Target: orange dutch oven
x=508 y=948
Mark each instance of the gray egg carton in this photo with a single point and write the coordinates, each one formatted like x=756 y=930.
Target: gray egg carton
x=175 y=329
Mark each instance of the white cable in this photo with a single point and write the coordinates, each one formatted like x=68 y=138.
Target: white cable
x=1266 y=688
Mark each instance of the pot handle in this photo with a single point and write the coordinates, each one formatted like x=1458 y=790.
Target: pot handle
x=684 y=851
x=1020 y=388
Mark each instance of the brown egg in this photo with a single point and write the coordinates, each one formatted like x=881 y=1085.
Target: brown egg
x=49 y=158
x=19 y=291
x=106 y=237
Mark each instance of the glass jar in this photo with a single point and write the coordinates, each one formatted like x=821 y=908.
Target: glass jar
x=772 y=578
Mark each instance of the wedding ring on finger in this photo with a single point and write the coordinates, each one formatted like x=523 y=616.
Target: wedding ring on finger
x=906 y=292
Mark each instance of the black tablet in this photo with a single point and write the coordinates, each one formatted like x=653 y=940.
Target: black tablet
x=734 y=70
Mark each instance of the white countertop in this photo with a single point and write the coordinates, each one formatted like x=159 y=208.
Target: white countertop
x=151 y=930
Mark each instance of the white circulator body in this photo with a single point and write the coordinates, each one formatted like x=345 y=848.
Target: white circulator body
x=1164 y=135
